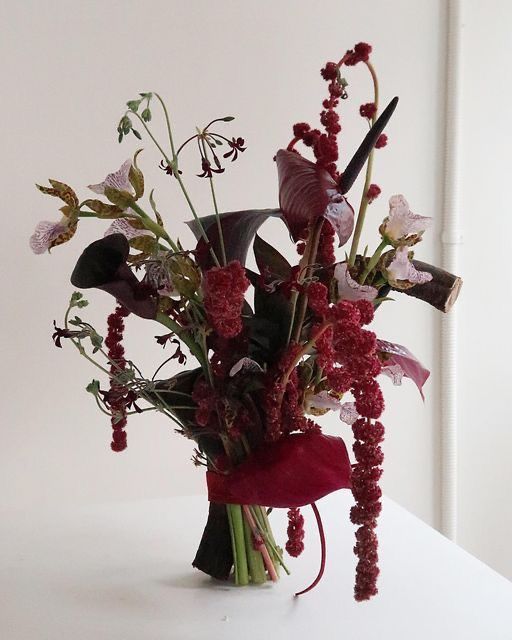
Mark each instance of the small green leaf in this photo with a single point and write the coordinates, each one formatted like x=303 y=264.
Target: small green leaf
x=136 y=134
x=227 y=118
x=93 y=387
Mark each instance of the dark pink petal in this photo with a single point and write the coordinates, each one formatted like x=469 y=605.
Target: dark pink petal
x=411 y=366
x=303 y=191
x=295 y=471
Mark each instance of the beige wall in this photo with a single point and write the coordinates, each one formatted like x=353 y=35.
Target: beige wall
x=67 y=69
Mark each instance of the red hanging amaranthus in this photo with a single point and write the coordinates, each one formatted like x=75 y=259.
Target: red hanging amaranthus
x=117 y=395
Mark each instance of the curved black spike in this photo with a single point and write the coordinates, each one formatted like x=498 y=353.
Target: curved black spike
x=361 y=155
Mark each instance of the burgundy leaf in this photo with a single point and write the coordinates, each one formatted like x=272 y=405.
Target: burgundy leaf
x=295 y=471
x=270 y=260
x=411 y=366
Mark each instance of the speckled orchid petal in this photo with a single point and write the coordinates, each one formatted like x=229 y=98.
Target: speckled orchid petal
x=401 y=268
x=340 y=214
x=395 y=372
x=117 y=180
x=402 y=223
x=348 y=413
x=121 y=225
x=323 y=401
x=410 y=365
x=348 y=288
x=245 y=364
x=45 y=235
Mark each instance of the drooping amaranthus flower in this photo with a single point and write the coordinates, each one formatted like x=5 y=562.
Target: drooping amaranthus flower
x=117 y=395
x=295 y=531
x=365 y=488
x=224 y=289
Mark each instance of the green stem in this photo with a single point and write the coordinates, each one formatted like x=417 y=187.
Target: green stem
x=174 y=165
x=154 y=227
x=239 y=552
x=168 y=123
x=233 y=542
x=363 y=206
x=373 y=260
x=254 y=558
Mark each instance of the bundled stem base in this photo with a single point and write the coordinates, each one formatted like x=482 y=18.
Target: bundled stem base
x=239 y=538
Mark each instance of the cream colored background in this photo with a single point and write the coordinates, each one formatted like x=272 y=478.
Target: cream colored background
x=67 y=70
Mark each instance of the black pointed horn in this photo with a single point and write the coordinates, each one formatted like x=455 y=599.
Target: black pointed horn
x=361 y=155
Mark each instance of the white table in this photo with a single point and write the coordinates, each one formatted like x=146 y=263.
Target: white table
x=122 y=572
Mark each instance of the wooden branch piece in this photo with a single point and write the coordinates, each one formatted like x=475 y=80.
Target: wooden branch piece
x=441 y=292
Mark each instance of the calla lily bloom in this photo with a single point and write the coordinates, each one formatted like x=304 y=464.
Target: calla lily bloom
x=308 y=192
x=401 y=270
x=402 y=226
x=348 y=288
x=103 y=265
x=117 y=180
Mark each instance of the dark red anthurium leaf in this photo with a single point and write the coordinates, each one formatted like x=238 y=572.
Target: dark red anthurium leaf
x=303 y=187
x=238 y=231
x=270 y=260
x=308 y=192
x=295 y=471
x=102 y=265
x=411 y=366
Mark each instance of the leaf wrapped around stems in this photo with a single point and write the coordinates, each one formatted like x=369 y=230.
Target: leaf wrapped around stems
x=294 y=471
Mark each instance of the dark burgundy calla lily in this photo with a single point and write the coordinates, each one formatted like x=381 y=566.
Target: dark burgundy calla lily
x=103 y=265
x=295 y=471
x=238 y=231
x=308 y=192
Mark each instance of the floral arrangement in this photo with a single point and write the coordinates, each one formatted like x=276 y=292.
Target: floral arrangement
x=270 y=351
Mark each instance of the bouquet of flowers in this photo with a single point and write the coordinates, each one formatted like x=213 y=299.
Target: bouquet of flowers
x=269 y=351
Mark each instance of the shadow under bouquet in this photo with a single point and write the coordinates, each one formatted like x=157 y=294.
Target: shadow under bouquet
x=263 y=370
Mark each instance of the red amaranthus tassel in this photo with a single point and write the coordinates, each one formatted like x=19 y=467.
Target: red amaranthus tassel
x=295 y=543
x=224 y=289
x=117 y=393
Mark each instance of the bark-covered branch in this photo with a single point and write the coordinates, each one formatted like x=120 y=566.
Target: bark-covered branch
x=441 y=292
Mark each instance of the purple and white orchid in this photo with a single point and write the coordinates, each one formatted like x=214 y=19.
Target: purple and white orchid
x=348 y=288
x=402 y=226
x=47 y=234
x=402 y=270
x=117 y=180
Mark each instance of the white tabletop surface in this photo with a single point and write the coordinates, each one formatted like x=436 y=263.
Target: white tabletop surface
x=122 y=571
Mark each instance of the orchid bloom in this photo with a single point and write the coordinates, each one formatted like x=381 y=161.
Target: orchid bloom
x=402 y=271
x=245 y=364
x=117 y=180
x=348 y=288
x=402 y=227
x=48 y=234
x=395 y=372
x=122 y=225
x=322 y=402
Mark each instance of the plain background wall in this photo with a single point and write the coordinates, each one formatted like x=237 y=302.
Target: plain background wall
x=67 y=70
